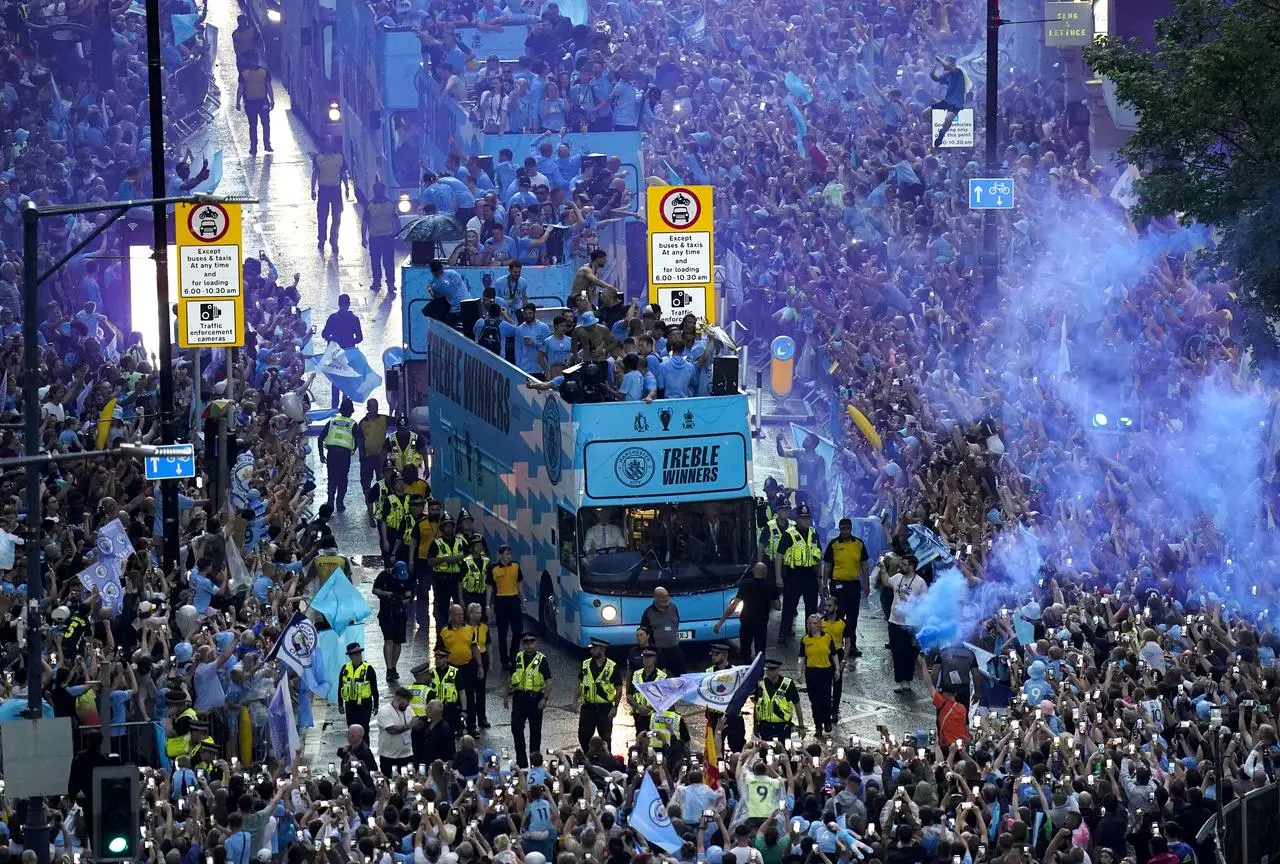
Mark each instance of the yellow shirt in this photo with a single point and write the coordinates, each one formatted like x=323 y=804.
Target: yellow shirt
x=506 y=579
x=818 y=650
x=459 y=641
x=482 y=637
x=835 y=629
x=427 y=533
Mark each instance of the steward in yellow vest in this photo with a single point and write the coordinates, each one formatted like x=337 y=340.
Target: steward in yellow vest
x=599 y=691
x=796 y=570
x=777 y=704
x=641 y=710
x=357 y=688
x=527 y=695
x=475 y=573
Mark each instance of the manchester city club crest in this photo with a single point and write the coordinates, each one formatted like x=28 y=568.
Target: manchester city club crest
x=551 y=440
x=302 y=641
x=658 y=813
x=717 y=688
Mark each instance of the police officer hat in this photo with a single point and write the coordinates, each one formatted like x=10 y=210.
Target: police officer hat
x=772 y=663
x=596 y=642
x=421 y=669
x=463 y=514
x=476 y=538
x=445 y=517
x=505 y=547
x=440 y=649
x=721 y=647
x=528 y=634
x=354 y=648
x=175 y=695
x=649 y=652
x=803 y=510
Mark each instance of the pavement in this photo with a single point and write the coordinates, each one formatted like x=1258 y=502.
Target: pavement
x=283 y=225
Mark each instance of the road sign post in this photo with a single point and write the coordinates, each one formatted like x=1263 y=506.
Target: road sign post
x=991 y=193
x=210 y=283
x=682 y=252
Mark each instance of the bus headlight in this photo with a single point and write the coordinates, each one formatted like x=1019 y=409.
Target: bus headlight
x=608 y=613
x=335 y=113
x=404 y=206
x=274 y=16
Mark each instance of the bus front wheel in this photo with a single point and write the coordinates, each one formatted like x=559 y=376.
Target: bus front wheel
x=547 y=610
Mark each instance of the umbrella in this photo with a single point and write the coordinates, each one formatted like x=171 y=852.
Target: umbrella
x=432 y=228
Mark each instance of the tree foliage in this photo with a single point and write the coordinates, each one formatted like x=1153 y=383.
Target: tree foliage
x=1208 y=139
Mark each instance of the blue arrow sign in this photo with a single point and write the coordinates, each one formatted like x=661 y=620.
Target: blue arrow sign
x=170 y=467
x=991 y=193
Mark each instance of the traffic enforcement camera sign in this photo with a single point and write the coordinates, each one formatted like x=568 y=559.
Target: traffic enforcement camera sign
x=682 y=252
x=210 y=283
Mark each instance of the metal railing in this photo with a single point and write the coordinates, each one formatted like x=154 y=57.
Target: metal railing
x=1248 y=827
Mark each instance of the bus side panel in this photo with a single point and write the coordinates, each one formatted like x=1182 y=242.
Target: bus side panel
x=488 y=434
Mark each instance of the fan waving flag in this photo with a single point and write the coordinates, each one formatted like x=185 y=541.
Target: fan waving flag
x=349 y=372
x=650 y=818
x=718 y=690
x=281 y=725
x=296 y=645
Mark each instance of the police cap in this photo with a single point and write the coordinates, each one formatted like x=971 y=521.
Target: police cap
x=803 y=510
x=440 y=649
x=649 y=652
x=773 y=663
x=719 y=647
x=598 y=643
x=421 y=669
x=528 y=635
x=354 y=648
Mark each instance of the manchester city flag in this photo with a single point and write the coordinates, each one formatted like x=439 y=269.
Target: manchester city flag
x=296 y=645
x=650 y=819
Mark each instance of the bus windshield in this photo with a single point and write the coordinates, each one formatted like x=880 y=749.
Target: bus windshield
x=687 y=547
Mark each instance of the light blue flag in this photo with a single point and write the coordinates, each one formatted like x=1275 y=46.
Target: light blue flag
x=650 y=819
x=876 y=196
x=113 y=541
x=315 y=679
x=210 y=183
x=184 y=27
x=331 y=648
x=673 y=176
x=341 y=603
x=317 y=415
x=349 y=372
x=802 y=128
x=797 y=88
x=905 y=175
x=56 y=106
x=105 y=576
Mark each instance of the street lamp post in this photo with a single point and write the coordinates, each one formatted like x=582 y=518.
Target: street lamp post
x=990 y=230
x=160 y=248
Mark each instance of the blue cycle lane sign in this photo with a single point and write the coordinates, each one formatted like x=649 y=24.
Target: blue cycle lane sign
x=991 y=193
x=175 y=462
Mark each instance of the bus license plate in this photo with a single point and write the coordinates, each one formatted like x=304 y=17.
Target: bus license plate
x=686 y=635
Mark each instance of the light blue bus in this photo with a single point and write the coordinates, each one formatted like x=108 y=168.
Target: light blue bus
x=601 y=503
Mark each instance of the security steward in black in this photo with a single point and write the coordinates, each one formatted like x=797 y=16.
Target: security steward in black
x=527 y=695
x=777 y=704
x=599 y=692
x=796 y=569
x=734 y=729
x=357 y=689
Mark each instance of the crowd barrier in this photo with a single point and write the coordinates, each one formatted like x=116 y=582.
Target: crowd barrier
x=1248 y=827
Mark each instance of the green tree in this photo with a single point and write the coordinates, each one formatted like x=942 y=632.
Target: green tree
x=1208 y=138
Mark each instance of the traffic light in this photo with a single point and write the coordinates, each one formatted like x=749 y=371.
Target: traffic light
x=116 y=813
